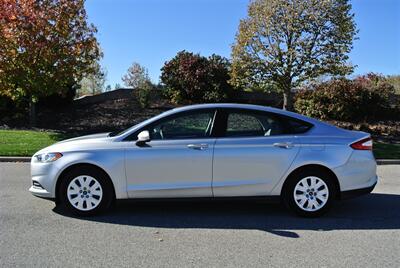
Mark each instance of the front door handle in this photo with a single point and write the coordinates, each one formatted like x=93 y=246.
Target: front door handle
x=284 y=145
x=201 y=146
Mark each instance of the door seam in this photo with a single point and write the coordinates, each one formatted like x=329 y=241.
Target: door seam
x=212 y=168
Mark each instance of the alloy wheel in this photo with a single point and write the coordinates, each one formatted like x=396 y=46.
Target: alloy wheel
x=84 y=193
x=311 y=194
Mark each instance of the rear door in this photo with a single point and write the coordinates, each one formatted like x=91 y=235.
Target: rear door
x=254 y=151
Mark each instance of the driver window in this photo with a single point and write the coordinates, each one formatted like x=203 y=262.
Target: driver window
x=189 y=126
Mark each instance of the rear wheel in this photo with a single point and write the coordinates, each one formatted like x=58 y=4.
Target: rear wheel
x=86 y=191
x=309 y=193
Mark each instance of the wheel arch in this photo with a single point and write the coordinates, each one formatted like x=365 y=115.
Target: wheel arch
x=313 y=167
x=81 y=165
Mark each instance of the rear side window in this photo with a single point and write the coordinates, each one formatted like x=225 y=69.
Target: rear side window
x=247 y=123
x=250 y=124
x=297 y=126
x=240 y=124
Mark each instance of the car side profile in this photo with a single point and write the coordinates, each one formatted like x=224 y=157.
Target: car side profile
x=210 y=151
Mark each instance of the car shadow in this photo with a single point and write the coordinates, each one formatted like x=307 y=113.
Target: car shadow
x=371 y=212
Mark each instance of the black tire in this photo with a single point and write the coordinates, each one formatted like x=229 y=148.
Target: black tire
x=106 y=186
x=293 y=180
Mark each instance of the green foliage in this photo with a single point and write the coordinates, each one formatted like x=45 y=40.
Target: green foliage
x=138 y=78
x=366 y=97
x=284 y=43
x=93 y=83
x=394 y=80
x=193 y=78
x=143 y=93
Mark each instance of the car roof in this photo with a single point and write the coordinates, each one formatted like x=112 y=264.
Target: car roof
x=243 y=106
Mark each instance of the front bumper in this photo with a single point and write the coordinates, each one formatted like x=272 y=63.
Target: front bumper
x=44 y=176
x=39 y=192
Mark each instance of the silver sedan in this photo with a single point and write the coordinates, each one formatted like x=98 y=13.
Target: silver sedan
x=210 y=151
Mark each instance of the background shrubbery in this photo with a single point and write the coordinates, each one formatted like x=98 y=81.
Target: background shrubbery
x=364 y=98
x=191 y=78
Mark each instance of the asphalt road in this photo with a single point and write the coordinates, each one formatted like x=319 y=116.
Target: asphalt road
x=362 y=232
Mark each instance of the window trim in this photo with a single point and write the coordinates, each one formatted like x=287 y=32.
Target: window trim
x=133 y=136
x=223 y=114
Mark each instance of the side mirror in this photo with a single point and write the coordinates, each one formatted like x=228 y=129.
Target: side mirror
x=143 y=137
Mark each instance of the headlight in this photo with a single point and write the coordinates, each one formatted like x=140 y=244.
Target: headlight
x=47 y=157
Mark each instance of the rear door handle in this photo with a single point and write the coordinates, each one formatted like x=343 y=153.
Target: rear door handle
x=284 y=145
x=200 y=146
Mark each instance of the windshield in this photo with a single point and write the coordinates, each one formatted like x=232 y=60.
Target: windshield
x=119 y=133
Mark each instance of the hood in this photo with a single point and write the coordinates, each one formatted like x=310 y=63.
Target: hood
x=87 y=137
x=79 y=143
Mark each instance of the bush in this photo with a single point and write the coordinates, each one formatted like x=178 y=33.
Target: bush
x=193 y=78
x=364 y=98
x=57 y=100
x=143 y=92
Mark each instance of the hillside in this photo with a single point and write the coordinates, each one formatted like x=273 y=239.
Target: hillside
x=118 y=110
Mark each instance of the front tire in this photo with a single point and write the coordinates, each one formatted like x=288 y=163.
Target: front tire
x=309 y=193
x=85 y=191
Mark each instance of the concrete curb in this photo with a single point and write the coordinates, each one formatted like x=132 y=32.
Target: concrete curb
x=388 y=161
x=14 y=159
x=28 y=159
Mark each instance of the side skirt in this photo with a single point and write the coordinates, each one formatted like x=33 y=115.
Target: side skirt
x=263 y=199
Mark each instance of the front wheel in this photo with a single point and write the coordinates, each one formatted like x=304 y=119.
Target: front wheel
x=309 y=193
x=85 y=191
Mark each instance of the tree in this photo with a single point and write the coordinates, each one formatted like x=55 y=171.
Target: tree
x=46 y=47
x=93 y=83
x=117 y=86
x=193 y=78
x=395 y=81
x=135 y=76
x=287 y=42
x=138 y=78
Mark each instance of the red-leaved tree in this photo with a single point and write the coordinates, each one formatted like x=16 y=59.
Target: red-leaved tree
x=46 y=47
x=193 y=78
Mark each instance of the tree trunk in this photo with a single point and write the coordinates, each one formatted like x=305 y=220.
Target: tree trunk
x=287 y=100
x=32 y=112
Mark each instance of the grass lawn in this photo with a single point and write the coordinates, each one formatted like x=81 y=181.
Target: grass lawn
x=25 y=142
x=386 y=150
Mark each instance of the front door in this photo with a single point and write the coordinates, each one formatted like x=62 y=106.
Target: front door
x=177 y=162
x=252 y=155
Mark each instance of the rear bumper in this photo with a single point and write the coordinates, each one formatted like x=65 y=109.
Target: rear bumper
x=357 y=192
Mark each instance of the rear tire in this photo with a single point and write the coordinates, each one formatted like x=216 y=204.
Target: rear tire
x=309 y=193
x=86 y=191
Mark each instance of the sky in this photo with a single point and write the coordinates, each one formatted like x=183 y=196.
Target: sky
x=151 y=32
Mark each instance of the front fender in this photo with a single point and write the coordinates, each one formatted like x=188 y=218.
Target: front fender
x=110 y=160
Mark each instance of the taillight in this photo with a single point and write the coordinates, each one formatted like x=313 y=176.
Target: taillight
x=364 y=144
